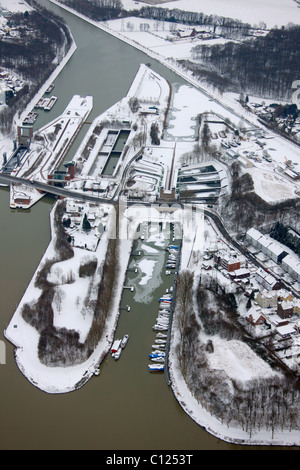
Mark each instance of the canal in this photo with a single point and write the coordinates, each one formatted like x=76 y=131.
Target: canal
x=126 y=407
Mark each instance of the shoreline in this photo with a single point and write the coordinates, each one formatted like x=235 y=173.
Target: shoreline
x=50 y=80
x=204 y=420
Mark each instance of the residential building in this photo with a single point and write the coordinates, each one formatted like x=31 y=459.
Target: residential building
x=228 y=260
x=255 y=317
x=266 y=245
x=266 y=280
x=291 y=264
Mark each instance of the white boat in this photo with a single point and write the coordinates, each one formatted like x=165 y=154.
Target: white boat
x=157 y=353
x=164 y=312
x=160 y=341
x=50 y=88
x=159 y=327
x=163 y=326
x=160 y=346
x=164 y=315
x=158 y=359
x=161 y=320
x=97 y=372
x=124 y=341
x=161 y=335
x=117 y=354
x=115 y=346
x=156 y=367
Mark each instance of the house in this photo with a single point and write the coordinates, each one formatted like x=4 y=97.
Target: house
x=255 y=317
x=239 y=274
x=267 y=299
x=285 y=309
x=286 y=330
x=266 y=280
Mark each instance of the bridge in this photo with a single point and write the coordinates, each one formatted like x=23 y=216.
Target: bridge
x=49 y=189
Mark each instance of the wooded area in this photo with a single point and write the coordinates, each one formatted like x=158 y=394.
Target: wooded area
x=40 y=41
x=270 y=403
x=62 y=346
x=263 y=66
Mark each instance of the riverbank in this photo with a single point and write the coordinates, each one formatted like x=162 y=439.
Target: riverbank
x=189 y=404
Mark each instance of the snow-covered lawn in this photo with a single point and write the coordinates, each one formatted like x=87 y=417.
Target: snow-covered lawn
x=15 y=6
x=237 y=360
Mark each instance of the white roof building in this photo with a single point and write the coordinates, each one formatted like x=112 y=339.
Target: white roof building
x=291 y=264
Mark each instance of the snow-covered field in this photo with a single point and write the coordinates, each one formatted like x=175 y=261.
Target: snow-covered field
x=15 y=5
x=272 y=12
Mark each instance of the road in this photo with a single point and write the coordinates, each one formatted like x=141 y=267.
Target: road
x=54 y=189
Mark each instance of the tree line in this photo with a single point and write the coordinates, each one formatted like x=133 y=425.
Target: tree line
x=100 y=10
x=263 y=66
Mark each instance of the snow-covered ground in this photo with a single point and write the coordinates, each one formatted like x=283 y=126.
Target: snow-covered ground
x=15 y=6
x=271 y=12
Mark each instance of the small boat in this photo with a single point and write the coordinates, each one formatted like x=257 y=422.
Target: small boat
x=165 y=297
x=161 y=335
x=116 y=345
x=50 y=88
x=163 y=320
x=158 y=359
x=160 y=346
x=159 y=327
x=117 y=354
x=97 y=372
x=160 y=341
x=156 y=367
x=157 y=354
x=124 y=341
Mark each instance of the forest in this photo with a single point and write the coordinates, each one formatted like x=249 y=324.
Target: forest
x=264 y=66
x=40 y=41
x=286 y=236
x=270 y=403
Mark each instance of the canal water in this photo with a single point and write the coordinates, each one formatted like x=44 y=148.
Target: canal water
x=126 y=407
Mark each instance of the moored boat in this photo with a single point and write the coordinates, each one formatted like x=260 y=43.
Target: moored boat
x=161 y=335
x=158 y=359
x=115 y=346
x=159 y=327
x=156 y=367
x=157 y=354
x=124 y=340
x=50 y=88
x=158 y=346
x=117 y=354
